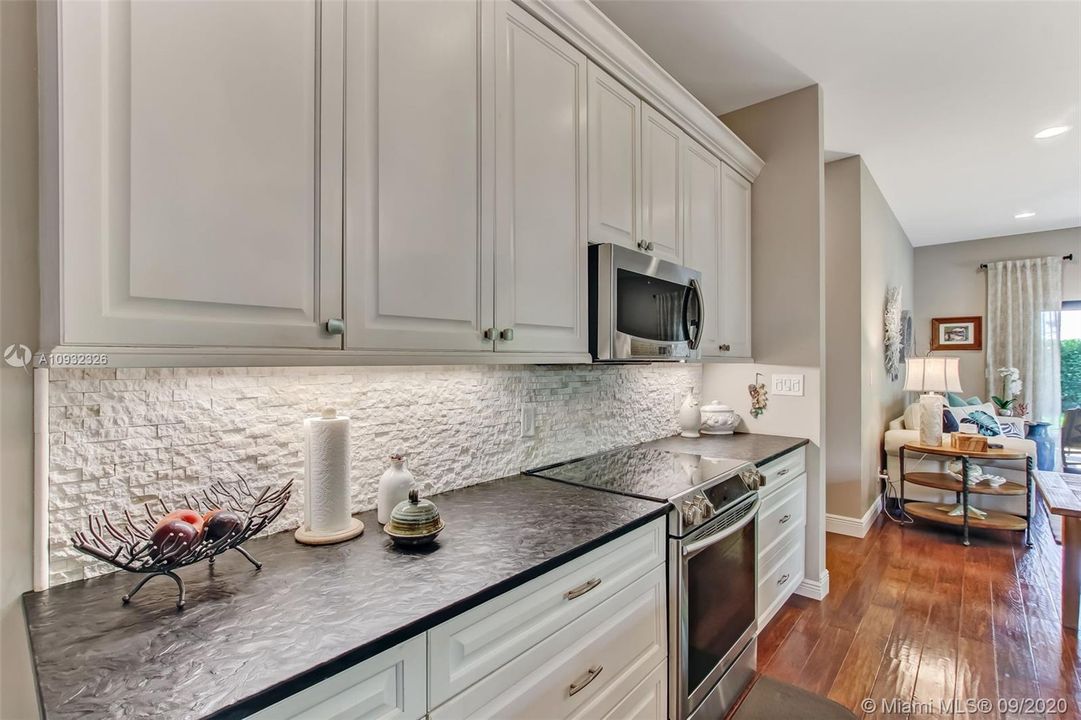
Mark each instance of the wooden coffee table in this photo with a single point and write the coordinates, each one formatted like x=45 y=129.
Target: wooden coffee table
x=943 y=481
x=1062 y=495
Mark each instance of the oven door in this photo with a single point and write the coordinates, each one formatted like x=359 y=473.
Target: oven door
x=712 y=603
x=642 y=308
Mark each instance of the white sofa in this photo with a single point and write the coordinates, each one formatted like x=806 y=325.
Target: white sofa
x=901 y=432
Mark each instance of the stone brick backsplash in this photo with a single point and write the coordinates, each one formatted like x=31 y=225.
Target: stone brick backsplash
x=120 y=437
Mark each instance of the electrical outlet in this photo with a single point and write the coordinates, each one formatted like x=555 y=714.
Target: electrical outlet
x=529 y=420
x=787 y=385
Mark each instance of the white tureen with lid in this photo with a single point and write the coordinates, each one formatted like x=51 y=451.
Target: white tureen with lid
x=718 y=419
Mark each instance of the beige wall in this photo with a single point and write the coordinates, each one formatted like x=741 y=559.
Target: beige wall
x=948 y=284
x=787 y=214
x=786 y=260
x=842 y=286
x=886 y=260
x=867 y=252
x=18 y=324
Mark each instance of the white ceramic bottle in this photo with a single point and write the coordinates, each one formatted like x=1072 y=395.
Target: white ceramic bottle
x=394 y=488
x=690 y=416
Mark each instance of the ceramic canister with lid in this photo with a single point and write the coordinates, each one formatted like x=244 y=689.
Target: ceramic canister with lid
x=718 y=419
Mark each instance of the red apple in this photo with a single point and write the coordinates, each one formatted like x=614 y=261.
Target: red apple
x=188 y=516
x=222 y=523
x=172 y=538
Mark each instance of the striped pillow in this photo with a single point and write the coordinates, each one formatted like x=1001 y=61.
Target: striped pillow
x=1010 y=430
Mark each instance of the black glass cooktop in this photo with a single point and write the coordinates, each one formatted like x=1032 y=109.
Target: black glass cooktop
x=643 y=472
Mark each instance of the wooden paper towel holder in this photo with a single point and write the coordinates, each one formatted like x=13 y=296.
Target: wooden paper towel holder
x=306 y=536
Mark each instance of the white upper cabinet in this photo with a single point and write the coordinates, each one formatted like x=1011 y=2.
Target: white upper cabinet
x=418 y=232
x=615 y=160
x=735 y=315
x=540 y=183
x=661 y=178
x=242 y=182
x=702 y=233
x=199 y=197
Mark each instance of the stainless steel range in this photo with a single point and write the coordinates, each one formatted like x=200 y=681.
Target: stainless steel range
x=711 y=564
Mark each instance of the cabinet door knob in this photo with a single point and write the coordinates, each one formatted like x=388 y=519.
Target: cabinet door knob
x=643 y=245
x=335 y=326
x=506 y=334
x=724 y=348
x=649 y=246
x=489 y=333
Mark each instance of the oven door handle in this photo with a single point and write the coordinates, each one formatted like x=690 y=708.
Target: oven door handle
x=699 y=545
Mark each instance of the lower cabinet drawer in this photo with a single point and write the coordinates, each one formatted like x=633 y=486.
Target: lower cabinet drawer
x=647 y=701
x=390 y=686
x=782 y=511
x=777 y=473
x=583 y=671
x=778 y=582
x=465 y=649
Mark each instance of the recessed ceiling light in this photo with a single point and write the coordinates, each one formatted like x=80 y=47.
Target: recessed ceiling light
x=1051 y=132
x=1023 y=215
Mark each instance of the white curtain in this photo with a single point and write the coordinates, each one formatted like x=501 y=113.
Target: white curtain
x=1024 y=310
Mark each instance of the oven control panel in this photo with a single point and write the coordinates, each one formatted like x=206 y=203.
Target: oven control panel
x=710 y=500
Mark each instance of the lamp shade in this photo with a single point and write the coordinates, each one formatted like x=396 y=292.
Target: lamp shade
x=933 y=374
x=953 y=374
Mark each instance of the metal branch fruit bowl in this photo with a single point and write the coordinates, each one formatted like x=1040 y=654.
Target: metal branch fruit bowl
x=144 y=545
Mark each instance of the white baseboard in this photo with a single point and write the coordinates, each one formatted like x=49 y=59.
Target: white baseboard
x=854 y=527
x=815 y=589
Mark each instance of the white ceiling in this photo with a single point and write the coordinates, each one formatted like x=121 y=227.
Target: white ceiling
x=940 y=98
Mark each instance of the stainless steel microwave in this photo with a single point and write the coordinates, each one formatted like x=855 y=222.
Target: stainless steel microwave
x=642 y=308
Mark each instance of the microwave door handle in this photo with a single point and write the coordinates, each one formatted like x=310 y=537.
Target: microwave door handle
x=699 y=545
x=693 y=344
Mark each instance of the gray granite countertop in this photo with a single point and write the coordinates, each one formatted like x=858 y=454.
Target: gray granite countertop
x=757 y=449
x=247 y=638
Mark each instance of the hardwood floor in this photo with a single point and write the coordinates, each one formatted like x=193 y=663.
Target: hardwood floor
x=914 y=615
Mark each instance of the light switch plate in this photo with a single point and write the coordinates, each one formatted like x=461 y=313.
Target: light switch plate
x=529 y=420
x=787 y=385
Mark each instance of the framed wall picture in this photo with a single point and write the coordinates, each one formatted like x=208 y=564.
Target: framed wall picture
x=957 y=333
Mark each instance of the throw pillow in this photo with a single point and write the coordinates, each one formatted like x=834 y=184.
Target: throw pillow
x=1010 y=430
x=955 y=400
x=949 y=422
x=985 y=424
x=963 y=412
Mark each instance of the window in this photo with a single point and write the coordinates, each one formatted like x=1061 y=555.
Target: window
x=1071 y=354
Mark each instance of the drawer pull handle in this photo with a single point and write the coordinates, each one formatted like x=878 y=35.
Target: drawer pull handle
x=783 y=579
x=786 y=518
x=782 y=472
x=582 y=589
x=587 y=677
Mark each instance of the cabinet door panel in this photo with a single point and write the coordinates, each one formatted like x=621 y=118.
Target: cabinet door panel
x=540 y=187
x=735 y=328
x=615 y=123
x=389 y=686
x=200 y=200
x=661 y=181
x=702 y=233
x=418 y=242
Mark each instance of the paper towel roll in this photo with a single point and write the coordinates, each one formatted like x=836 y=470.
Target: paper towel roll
x=327 y=499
